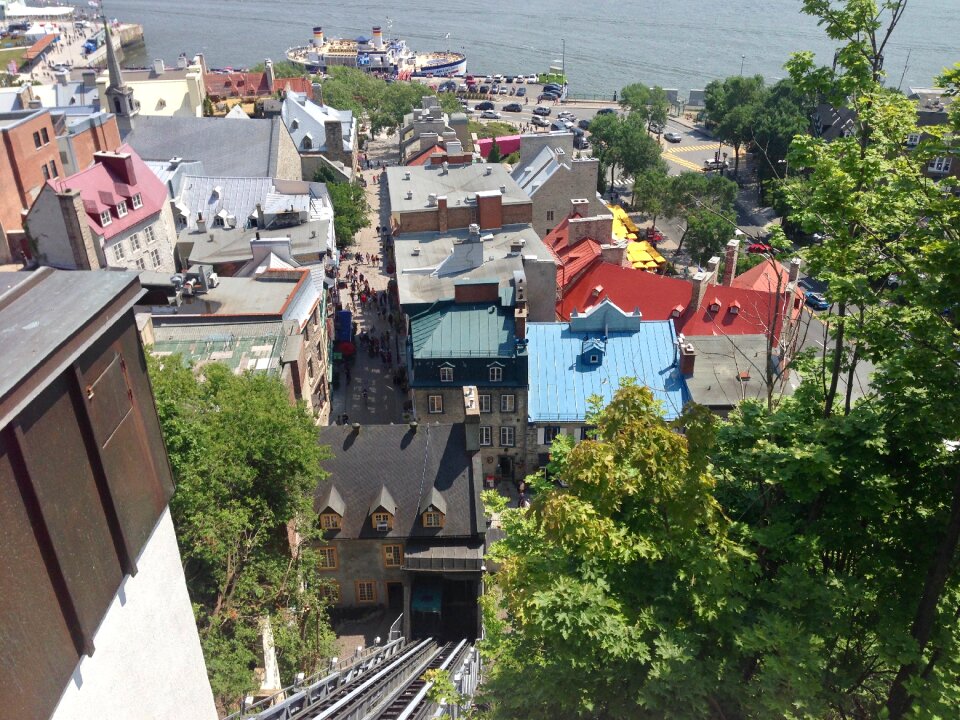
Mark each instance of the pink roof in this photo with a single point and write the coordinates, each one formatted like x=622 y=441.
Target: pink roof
x=106 y=183
x=507 y=144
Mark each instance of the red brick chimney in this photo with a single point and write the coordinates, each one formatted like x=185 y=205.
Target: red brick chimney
x=120 y=164
x=700 y=282
x=520 y=322
x=730 y=261
x=688 y=356
x=490 y=209
x=442 y=222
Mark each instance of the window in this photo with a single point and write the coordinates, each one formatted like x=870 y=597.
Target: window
x=496 y=374
x=594 y=359
x=151 y=237
x=549 y=215
x=913 y=139
x=155 y=257
x=135 y=242
x=119 y=252
x=122 y=208
x=446 y=374
x=381 y=521
x=46 y=172
x=939 y=165
x=506 y=436
x=485 y=404
x=330 y=591
x=392 y=556
x=105 y=218
x=137 y=202
x=141 y=265
x=433 y=519
x=45 y=135
x=330 y=521
x=508 y=403
x=486 y=435
x=328 y=558
x=310 y=372
x=550 y=433
x=366 y=591
x=53 y=169
x=435 y=404
x=36 y=140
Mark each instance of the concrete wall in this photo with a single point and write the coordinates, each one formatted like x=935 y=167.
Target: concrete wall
x=148 y=662
x=78 y=149
x=163 y=233
x=551 y=202
x=48 y=233
x=453 y=412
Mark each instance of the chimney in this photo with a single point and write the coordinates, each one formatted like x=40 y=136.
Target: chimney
x=712 y=265
x=317 y=93
x=443 y=224
x=490 y=209
x=432 y=200
x=473 y=233
x=487 y=170
x=471 y=417
x=795 y=270
x=688 y=356
x=334 y=133
x=730 y=262
x=63 y=77
x=89 y=78
x=201 y=223
x=580 y=206
x=520 y=322
x=268 y=71
x=182 y=62
x=158 y=67
x=119 y=163
x=446 y=167
x=260 y=221
x=700 y=282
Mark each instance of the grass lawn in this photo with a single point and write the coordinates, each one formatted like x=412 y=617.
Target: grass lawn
x=491 y=129
x=7 y=54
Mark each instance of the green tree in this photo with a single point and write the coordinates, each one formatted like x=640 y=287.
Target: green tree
x=351 y=211
x=691 y=193
x=732 y=105
x=706 y=234
x=782 y=113
x=246 y=463
x=283 y=69
x=384 y=104
x=494 y=155
x=650 y=103
x=651 y=193
x=605 y=133
x=617 y=586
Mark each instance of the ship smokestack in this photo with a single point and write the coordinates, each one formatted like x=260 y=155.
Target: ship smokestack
x=318 y=36
x=377 y=38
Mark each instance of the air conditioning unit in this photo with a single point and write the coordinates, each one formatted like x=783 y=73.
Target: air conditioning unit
x=382 y=527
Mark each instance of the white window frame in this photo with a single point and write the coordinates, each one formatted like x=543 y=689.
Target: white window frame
x=496 y=373
x=105 y=218
x=150 y=234
x=446 y=374
x=485 y=404
x=550 y=433
x=940 y=165
x=508 y=436
x=155 y=257
x=136 y=201
x=486 y=435
x=913 y=139
x=140 y=263
x=122 y=208
x=435 y=404
x=119 y=251
x=508 y=403
x=135 y=242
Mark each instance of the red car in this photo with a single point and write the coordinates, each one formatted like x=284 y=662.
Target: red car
x=654 y=236
x=760 y=248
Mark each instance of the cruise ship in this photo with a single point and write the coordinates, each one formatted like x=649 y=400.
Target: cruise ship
x=375 y=54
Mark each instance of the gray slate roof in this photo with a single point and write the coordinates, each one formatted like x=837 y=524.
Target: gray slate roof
x=248 y=149
x=434 y=458
x=459 y=183
x=310 y=118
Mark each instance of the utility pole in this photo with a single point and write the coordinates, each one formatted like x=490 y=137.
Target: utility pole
x=563 y=59
x=742 y=58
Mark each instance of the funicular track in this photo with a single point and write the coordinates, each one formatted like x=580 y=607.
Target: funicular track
x=411 y=701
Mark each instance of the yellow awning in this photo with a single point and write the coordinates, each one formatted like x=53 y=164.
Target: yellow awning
x=623 y=227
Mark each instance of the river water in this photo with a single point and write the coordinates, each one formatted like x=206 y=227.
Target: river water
x=679 y=44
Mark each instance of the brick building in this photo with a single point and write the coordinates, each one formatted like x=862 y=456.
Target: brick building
x=29 y=157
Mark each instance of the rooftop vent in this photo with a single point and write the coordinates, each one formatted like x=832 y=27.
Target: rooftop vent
x=597 y=291
x=446 y=167
x=432 y=199
x=406 y=175
x=503 y=189
x=409 y=194
x=488 y=170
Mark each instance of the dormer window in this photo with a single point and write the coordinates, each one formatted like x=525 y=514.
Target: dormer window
x=330 y=521
x=677 y=311
x=122 y=208
x=294 y=124
x=592 y=351
x=307 y=142
x=331 y=511
x=137 y=201
x=105 y=218
x=734 y=308
x=496 y=373
x=433 y=519
x=714 y=307
x=446 y=373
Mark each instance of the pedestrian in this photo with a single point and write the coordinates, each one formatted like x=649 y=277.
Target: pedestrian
x=347 y=373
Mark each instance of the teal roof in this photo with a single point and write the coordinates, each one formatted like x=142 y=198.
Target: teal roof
x=456 y=331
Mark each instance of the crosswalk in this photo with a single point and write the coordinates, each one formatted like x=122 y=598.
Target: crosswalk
x=682 y=162
x=672 y=154
x=694 y=148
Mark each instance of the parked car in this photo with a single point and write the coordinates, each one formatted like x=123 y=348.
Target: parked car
x=488 y=79
x=760 y=248
x=495 y=89
x=520 y=79
x=531 y=78
x=490 y=115
x=503 y=90
x=498 y=77
x=521 y=92
x=552 y=86
x=580 y=142
x=513 y=107
x=606 y=111
x=672 y=137
x=817 y=301
x=447 y=86
x=655 y=128
x=508 y=79
x=540 y=122
x=566 y=115
x=541 y=110
x=485 y=105
x=715 y=165
x=484 y=89
x=584 y=124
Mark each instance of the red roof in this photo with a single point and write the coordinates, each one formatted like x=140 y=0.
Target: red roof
x=250 y=84
x=571 y=260
x=659 y=297
x=507 y=144
x=424 y=157
x=763 y=277
x=112 y=178
x=39 y=47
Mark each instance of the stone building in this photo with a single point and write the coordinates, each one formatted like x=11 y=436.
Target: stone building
x=324 y=136
x=425 y=124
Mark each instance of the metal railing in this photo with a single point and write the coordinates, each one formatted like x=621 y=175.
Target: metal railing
x=319 y=685
x=396 y=629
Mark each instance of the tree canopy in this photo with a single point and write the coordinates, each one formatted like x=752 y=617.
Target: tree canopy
x=246 y=463
x=731 y=105
x=383 y=103
x=351 y=211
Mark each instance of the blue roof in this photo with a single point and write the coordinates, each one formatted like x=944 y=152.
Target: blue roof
x=562 y=378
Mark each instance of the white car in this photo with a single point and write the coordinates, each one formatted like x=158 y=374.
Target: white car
x=490 y=115
x=520 y=80
x=498 y=78
x=488 y=79
x=566 y=115
x=531 y=78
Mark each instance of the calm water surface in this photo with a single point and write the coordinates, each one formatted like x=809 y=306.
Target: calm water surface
x=674 y=43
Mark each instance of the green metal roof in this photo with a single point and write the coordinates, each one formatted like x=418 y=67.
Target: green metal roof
x=453 y=331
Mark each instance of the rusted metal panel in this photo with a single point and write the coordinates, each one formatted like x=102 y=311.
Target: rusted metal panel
x=70 y=501
x=36 y=649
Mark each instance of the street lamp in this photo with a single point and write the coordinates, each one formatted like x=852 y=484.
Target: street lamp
x=742 y=58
